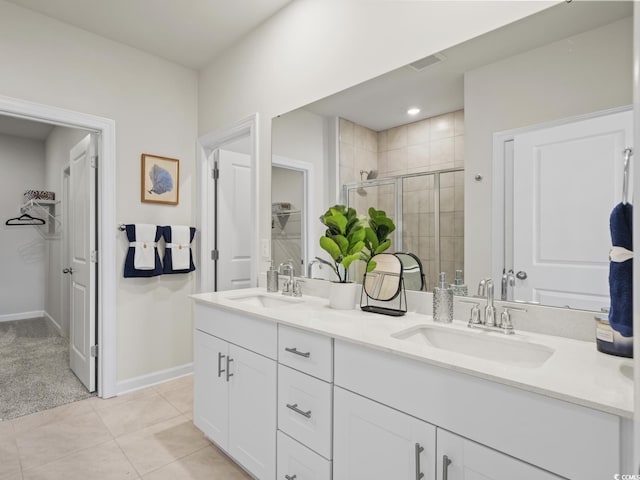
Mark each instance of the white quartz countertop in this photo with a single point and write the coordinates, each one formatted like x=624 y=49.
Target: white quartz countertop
x=576 y=372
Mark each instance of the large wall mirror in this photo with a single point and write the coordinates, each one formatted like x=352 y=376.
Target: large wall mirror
x=470 y=178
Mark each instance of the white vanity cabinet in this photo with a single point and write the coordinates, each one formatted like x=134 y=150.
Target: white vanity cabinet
x=375 y=442
x=235 y=389
x=569 y=440
x=462 y=459
x=305 y=406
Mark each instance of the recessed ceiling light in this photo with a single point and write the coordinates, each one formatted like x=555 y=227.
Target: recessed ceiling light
x=413 y=111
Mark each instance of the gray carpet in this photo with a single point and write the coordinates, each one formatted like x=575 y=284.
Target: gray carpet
x=34 y=369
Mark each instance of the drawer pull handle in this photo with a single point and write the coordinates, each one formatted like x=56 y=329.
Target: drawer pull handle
x=229 y=374
x=295 y=351
x=295 y=408
x=419 y=450
x=446 y=461
x=220 y=369
x=291 y=477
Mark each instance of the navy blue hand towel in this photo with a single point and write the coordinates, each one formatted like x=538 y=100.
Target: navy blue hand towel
x=129 y=265
x=168 y=252
x=621 y=273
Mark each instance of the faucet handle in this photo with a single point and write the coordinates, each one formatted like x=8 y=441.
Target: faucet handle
x=474 y=318
x=297 y=288
x=505 y=319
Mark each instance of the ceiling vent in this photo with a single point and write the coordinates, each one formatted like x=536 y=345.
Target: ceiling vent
x=425 y=62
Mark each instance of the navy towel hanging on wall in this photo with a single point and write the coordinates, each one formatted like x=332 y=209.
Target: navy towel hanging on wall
x=155 y=267
x=621 y=272
x=172 y=234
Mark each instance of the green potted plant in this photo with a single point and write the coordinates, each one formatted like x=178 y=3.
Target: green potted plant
x=377 y=235
x=344 y=240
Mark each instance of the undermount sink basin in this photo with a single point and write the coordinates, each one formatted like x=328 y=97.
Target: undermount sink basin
x=508 y=351
x=261 y=300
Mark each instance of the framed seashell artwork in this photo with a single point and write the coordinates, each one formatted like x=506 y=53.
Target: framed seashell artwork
x=160 y=180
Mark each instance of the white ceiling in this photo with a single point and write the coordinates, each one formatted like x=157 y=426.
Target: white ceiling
x=19 y=127
x=187 y=32
x=382 y=102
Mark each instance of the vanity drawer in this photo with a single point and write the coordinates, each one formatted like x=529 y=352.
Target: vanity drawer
x=307 y=352
x=297 y=461
x=305 y=409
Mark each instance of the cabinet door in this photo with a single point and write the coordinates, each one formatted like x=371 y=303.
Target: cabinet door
x=469 y=460
x=252 y=412
x=210 y=399
x=375 y=442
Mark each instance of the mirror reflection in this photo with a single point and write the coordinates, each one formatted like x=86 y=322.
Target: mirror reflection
x=383 y=282
x=411 y=271
x=460 y=177
x=287 y=202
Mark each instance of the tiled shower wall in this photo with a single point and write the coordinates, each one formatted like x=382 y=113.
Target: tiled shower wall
x=428 y=145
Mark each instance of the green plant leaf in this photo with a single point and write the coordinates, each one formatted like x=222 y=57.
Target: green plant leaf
x=371 y=265
x=371 y=238
x=331 y=248
x=356 y=248
x=336 y=221
x=357 y=236
x=382 y=247
x=349 y=259
x=343 y=243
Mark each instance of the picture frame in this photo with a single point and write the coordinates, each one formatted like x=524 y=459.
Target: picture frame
x=160 y=179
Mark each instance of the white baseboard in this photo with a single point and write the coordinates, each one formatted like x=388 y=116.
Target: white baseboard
x=21 y=316
x=55 y=324
x=154 y=378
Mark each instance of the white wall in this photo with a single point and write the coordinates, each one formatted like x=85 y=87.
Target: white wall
x=154 y=105
x=584 y=73
x=57 y=148
x=287 y=187
x=23 y=252
x=314 y=48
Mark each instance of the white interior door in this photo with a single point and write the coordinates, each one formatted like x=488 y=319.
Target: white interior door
x=235 y=229
x=566 y=180
x=82 y=238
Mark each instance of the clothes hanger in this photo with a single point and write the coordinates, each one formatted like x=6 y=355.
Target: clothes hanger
x=25 y=219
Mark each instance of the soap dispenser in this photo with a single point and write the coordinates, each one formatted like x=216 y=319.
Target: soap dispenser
x=458 y=286
x=443 y=302
x=272 y=279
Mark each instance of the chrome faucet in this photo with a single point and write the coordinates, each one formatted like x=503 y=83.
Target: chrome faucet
x=508 y=280
x=482 y=287
x=490 y=309
x=291 y=286
x=485 y=289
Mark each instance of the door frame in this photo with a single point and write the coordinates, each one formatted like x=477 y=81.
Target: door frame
x=65 y=293
x=500 y=209
x=206 y=145
x=106 y=292
x=308 y=194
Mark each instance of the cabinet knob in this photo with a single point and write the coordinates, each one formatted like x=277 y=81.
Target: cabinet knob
x=290 y=477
